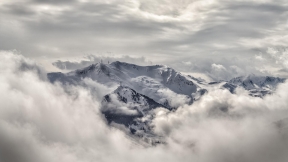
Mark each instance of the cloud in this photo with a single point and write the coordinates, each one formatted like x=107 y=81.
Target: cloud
x=223 y=68
x=280 y=56
x=157 y=30
x=269 y=61
x=219 y=70
x=176 y=99
x=41 y=122
x=228 y=127
x=92 y=59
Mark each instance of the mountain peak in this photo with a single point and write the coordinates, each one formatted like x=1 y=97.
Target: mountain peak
x=119 y=63
x=255 y=84
x=97 y=67
x=144 y=88
x=123 y=88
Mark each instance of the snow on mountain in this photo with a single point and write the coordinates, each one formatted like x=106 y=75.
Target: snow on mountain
x=163 y=84
x=126 y=106
x=136 y=104
x=257 y=82
x=160 y=83
x=258 y=86
x=141 y=89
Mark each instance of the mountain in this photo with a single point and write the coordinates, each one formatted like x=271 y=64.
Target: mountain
x=159 y=82
x=141 y=89
x=127 y=107
x=125 y=101
x=258 y=86
x=257 y=82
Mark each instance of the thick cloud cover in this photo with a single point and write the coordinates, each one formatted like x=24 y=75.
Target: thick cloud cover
x=42 y=122
x=161 y=31
x=226 y=127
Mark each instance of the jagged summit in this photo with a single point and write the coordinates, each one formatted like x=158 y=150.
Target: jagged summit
x=98 y=67
x=257 y=86
x=126 y=106
x=253 y=81
x=119 y=64
x=154 y=79
x=105 y=67
x=130 y=96
x=131 y=99
x=151 y=81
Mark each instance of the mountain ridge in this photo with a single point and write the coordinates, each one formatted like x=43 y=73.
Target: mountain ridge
x=141 y=89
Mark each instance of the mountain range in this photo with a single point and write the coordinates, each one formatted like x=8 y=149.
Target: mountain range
x=141 y=89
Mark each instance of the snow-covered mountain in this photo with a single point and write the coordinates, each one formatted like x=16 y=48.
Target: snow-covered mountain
x=257 y=82
x=141 y=89
x=127 y=107
x=160 y=83
x=258 y=86
x=126 y=102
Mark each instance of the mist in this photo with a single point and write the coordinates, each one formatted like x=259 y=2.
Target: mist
x=40 y=121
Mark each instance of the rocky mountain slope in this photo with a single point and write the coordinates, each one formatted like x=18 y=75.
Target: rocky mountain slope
x=142 y=89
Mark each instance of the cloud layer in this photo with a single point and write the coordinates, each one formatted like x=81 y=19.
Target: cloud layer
x=162 y=30
x=42 y=122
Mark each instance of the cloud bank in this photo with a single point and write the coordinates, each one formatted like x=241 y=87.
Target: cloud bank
x=42 y=122
x=158 y=30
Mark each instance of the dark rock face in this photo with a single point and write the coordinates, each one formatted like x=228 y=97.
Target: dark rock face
x=141 y=106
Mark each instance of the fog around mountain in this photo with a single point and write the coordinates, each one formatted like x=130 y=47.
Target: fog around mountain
x=41 y=121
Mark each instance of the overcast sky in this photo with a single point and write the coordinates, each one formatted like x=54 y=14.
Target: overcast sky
x=189 y=35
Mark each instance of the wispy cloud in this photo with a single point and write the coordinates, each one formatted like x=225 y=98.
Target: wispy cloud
x=158 y=30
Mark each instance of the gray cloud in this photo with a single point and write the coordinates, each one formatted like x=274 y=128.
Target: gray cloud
x=40 y=122
x=155 y=29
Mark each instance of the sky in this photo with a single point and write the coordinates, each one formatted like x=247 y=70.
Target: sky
x=192 y=36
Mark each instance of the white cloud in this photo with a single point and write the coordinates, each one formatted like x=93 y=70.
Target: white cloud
x=228 y=127
x=280 y=56
x=219 y=71
x=41 y=122
x=157 y=30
